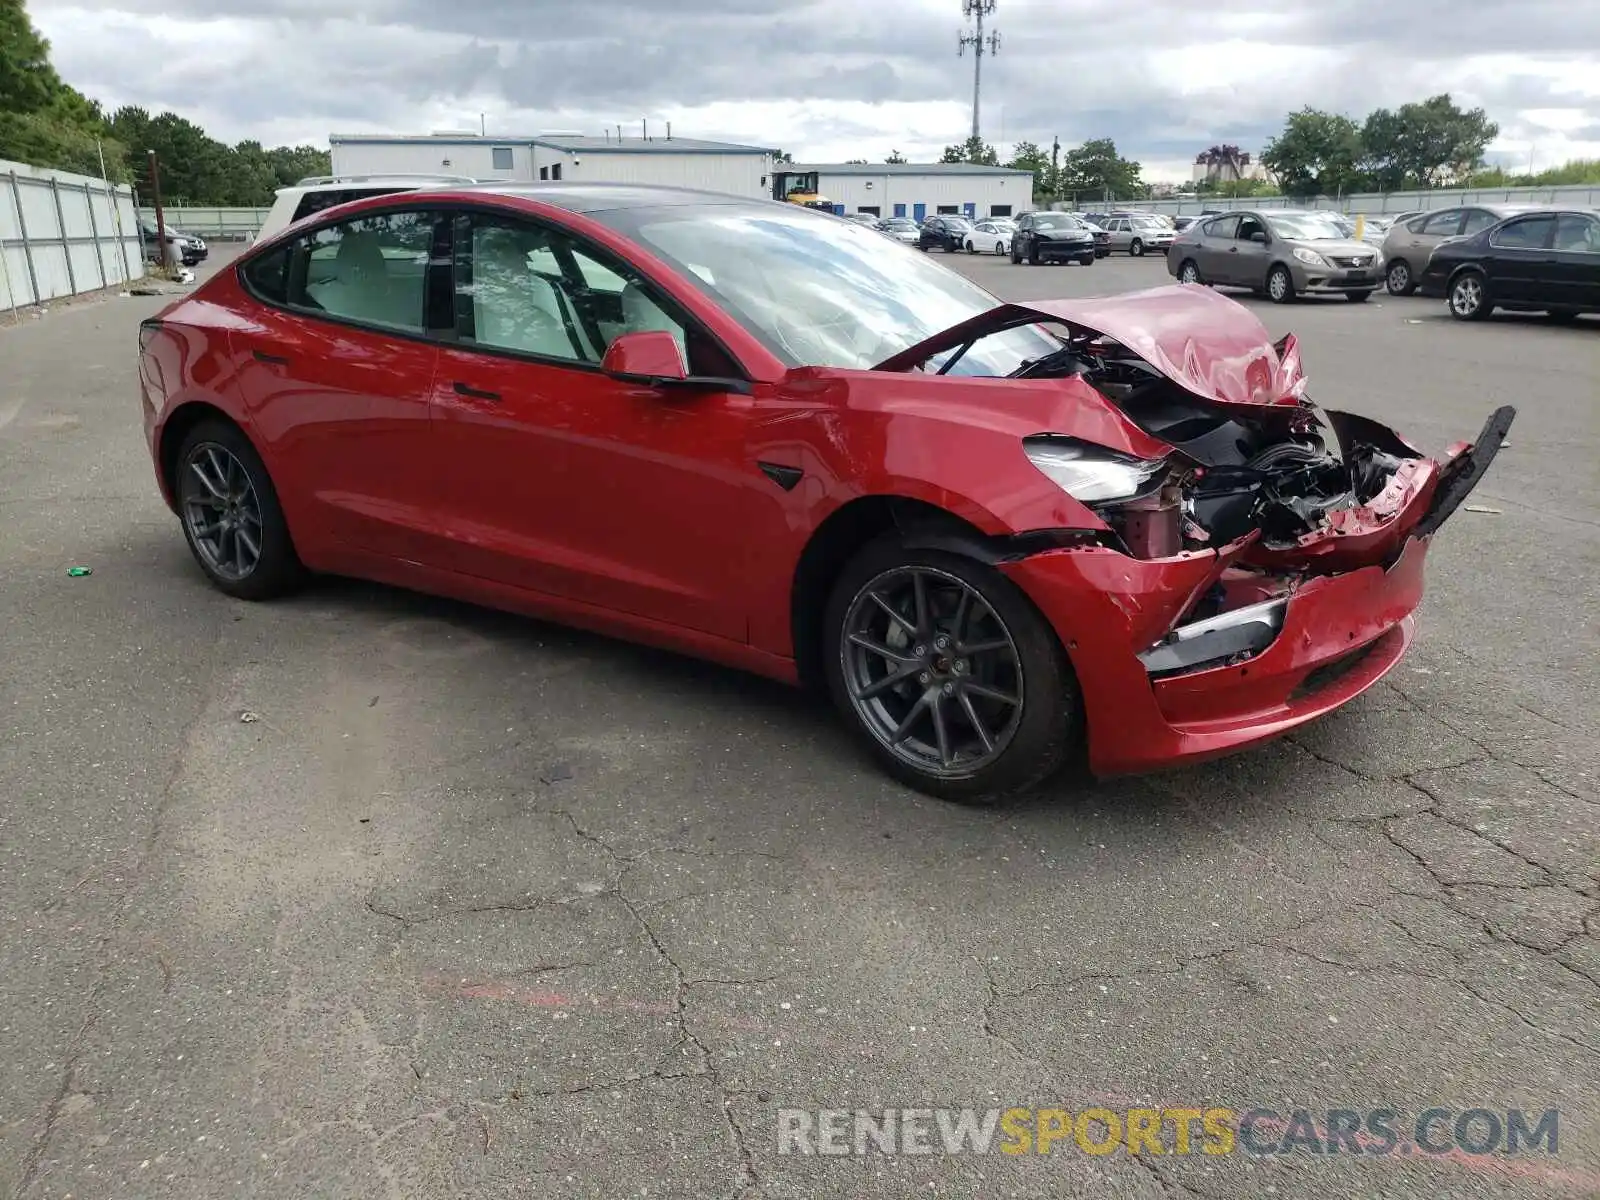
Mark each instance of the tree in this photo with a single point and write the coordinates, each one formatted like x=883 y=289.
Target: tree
x=1027 y=156
x=28 y=83
x=973 y=150
x=1318 y=153
x=782 y=156
x=1095 y=168
x=855 y=162
x=1424 y=144
x=895 y=157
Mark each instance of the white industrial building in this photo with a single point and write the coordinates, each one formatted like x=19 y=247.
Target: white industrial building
x=918 y=190
x=653 y=159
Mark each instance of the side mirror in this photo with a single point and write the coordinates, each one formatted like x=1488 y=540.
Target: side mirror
x=648 y=356
x=1259 y=236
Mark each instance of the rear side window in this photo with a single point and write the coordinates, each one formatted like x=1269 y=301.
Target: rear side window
x=372 y=270
x=1478 y=219
x=1445 y=224
x=268 y=276
x=315 y=202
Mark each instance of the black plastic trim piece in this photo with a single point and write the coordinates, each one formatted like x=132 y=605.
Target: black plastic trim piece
x=786 y=477
x=1464 y=474
x=992 y=551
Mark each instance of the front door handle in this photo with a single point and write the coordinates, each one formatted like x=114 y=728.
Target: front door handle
x=463 y=389
x=276 y=359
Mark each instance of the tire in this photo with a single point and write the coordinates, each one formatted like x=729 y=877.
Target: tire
x=1102 y=254
x=1036 y=740
x=1189 y=272
x=1357 y=297
x=999 y=247
x=971 y=249
x=1033 y=255
x=1469 y=297
x=1399 y=279
x=1086 y=260
x=1280 y=285
x=1016 y=255
x=277 y=569
x=1136 y=248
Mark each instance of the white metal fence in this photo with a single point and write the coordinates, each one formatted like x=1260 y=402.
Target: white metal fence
x=217 y=224
x=1370 y=203
x=62 y=234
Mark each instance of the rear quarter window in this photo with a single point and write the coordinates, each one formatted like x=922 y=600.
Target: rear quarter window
x=268 y=276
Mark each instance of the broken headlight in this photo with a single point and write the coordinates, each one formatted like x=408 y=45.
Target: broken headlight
x=1090 y=473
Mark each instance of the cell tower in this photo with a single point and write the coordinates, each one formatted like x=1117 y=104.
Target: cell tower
x=981 y=43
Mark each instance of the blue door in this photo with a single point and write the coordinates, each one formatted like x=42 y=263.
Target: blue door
x=919 y=212
x=971 y=210
x=899 y=210
x=838 y=210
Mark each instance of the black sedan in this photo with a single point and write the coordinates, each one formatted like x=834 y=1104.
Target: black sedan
x=1543 y=261
x=949 y=233
x=1044 y=237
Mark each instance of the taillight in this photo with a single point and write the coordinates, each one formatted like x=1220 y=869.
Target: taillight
x=148 y=330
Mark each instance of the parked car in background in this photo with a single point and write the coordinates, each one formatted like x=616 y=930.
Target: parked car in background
x=317 y=192
x=901 y=229
x=1138 y=234
x=1003 y=538
x=1538 y=261
x=1282 y=252
x=862 y=218
x=991 y=237
x=1102 y=239
x=1411 y=240
x=187 y=250
x=1179 y=224
x=945 y=231
x=1046 y=237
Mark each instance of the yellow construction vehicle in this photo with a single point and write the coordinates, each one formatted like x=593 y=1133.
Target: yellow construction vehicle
x=799 y=187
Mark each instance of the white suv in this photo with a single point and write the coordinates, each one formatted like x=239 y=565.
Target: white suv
x=317 y=192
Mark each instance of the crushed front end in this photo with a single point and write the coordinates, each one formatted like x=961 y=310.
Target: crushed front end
x=1261 y=574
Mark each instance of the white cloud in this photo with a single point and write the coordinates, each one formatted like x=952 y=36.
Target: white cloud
x=831 y=79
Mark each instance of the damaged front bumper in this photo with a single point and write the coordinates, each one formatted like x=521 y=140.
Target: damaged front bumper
x=1298 y=635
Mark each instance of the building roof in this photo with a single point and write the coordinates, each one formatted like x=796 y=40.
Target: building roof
x=555 y=141
x=604 y=197
x=900 y=169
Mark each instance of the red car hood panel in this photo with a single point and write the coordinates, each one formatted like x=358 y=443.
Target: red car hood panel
x=1209 y=344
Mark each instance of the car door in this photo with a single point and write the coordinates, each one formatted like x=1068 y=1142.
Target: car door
x=1252 y=252
x=1520 y=261
x=1575 y=261
x=559 y=479
x=335 y=369
x=1218 y=250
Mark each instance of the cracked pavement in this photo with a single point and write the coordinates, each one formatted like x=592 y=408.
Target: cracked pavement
x=478 y=906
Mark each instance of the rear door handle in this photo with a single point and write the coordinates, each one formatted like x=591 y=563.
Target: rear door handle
x=278 y=359
x=463 y=389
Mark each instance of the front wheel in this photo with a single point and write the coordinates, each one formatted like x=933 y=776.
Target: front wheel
x=948 y=673
x=1016 y=256
x=999 y=247
x=231 y=517
x=1280 y=285
x=1086 y=260
x=1398 y=279
x=1469 y=297
x=971 y=249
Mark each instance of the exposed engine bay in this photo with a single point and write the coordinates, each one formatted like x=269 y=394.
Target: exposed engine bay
x=1283 y=472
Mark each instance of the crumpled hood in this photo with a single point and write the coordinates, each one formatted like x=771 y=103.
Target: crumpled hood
x=1211 y=345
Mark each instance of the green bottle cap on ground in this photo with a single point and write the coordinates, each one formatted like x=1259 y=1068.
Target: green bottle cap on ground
x=78 y=572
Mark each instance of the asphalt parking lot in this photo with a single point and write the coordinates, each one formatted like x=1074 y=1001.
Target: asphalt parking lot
x=368 y=894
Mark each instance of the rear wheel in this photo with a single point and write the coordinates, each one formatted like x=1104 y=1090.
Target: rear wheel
x=231 y=516
x=948 y=673
x=1280 y=285
x=1136 y=248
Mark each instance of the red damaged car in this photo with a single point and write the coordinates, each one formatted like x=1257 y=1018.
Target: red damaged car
x=1006 y=538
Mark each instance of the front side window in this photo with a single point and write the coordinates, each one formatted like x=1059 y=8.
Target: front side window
x=1530 y=233
x=1223 y=227
x=818 y=292
x=530 y=289
x=371 y=269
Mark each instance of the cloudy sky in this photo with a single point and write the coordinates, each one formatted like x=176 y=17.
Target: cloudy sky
x=835 y=79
